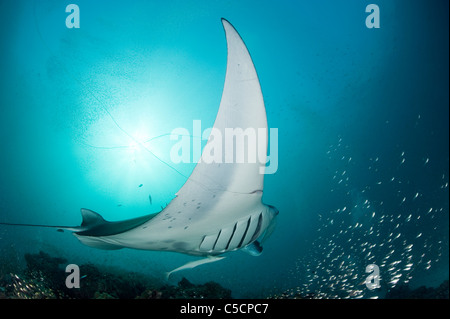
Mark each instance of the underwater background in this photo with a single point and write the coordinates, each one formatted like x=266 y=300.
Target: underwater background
x=363 y=135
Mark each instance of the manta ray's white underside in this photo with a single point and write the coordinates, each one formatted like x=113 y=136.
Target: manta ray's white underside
x=219 y=208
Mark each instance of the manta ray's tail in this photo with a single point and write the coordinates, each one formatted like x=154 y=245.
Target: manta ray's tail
x=89 y=218
x=93 y=224
x=58 y=228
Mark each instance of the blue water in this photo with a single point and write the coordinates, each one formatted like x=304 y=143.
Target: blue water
x=362 y=116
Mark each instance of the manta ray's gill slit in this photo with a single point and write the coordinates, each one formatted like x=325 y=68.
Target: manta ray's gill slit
x=245 y=232
x=231 y=237
x=201 y=243
x=258 y=227
x=215 y=243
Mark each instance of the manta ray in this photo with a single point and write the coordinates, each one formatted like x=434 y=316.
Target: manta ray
x=219 y=209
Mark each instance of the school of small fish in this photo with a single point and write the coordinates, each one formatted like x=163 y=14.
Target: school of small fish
x=389 y=222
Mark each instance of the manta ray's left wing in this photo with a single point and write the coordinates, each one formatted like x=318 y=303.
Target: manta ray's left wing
x=219 y=207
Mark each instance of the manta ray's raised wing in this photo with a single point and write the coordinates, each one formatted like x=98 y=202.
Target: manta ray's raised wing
x=239 y=134
x=219 y=208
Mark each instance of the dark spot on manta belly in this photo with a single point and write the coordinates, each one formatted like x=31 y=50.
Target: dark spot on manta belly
x=180 y=245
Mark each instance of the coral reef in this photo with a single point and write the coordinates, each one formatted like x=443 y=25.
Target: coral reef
x=187 y=290
x=405 y=292
x=45 y=278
